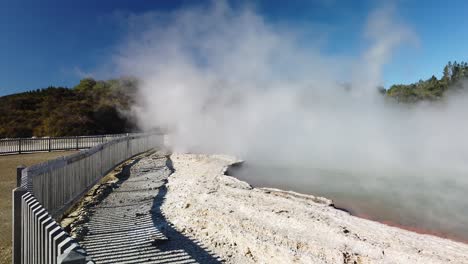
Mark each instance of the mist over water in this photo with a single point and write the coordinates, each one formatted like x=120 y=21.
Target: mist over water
x=417 y=201
x=226 y=80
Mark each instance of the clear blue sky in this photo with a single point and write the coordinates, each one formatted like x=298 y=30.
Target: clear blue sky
x=43 y=43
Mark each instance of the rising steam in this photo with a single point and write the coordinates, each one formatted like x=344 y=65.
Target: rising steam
x=225 y=80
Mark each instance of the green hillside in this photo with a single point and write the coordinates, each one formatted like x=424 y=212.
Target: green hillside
x=431 y=89
x=90 y=108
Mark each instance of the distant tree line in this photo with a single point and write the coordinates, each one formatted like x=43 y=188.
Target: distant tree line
x=92 y=107
x=453 y=77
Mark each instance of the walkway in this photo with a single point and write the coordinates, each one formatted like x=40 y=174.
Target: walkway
x=128 y=227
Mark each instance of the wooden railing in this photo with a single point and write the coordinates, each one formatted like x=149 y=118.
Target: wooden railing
x=28 y=145
x=47 y=190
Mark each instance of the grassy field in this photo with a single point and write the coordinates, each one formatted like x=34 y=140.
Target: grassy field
x=8 y=166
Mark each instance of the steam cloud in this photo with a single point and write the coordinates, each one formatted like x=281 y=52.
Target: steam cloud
x=225 y=80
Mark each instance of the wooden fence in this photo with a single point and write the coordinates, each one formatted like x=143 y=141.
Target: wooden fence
x=27 y=145
x=45 y=191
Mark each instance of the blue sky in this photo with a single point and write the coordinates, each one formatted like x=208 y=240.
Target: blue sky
x=48 y=42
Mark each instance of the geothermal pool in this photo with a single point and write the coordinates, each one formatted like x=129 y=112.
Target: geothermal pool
x=434 y=203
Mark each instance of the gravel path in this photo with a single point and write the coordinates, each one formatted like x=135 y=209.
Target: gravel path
x=128 y=227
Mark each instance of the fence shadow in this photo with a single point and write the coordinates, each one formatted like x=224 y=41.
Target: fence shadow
x=128 y=224
x=176 y=240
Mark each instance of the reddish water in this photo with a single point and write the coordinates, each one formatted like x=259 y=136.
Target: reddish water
x=359 y=211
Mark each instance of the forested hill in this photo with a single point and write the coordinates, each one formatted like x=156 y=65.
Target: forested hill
x=90 y=108
x=454 y=77
x=95 y=107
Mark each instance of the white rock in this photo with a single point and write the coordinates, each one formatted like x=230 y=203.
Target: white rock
x=274 y=226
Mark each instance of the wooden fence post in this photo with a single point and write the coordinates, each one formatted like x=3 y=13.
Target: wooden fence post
x=19 y=146
x=77 y=147
x=17 y=193
x=128 y=145
x=50 y=144
x=19 y=174
x=72 y=257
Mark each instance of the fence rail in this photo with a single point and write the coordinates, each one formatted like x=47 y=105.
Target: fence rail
x=45 y=240
x=47 y=190
x=27 y=145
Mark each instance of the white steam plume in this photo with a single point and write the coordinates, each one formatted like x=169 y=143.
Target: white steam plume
x=227 y=81
x=224 y=80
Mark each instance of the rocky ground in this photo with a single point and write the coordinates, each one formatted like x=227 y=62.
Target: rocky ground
x=242 y=224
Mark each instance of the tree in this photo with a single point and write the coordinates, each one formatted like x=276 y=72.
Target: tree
x=446 y=74
x=86 y=84
x=92 y=107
